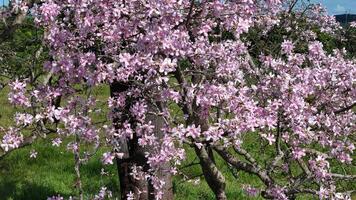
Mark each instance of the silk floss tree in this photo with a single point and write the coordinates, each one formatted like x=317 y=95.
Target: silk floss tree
x=188 y=74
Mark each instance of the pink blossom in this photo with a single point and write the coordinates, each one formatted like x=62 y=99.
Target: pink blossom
x=251 y=191
x=33 y=153
x=273 y=2
x=277 y=193
x=55 y=198
x=17 y=95
x=324 y=193
x=117 y=102
x=287 y=46
x=130 y=196
x=49 y=11
x=108 y=158
x=269 y=137
x=298 y=153
x=23 y=119
x=243 y=26
x=353 y=24
x=138 y=110
x=56 y=142
x=316 y=49
x=11 y=140
x=192 y=131
x=72 y=146
x=167 y=65
x=103 y=193
x=147 y=140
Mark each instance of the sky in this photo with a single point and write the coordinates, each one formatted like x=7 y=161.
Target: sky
x=333 y=6
x=338 y=6
x=2 y=2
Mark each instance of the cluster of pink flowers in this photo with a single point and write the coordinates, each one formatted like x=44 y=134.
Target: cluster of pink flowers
x=353 y=24
x=19 y=6
x=49 y=11
x=58 y=197
x=23 y=119
x=103 y=194
x=108 y=158
x=277 y=193
x=251 y=191
x=17 y=96
x=287 y=47
x=11 y=139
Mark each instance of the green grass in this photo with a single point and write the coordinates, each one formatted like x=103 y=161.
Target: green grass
x=6 y=110
x=52 y=172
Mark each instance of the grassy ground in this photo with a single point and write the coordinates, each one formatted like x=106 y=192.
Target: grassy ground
x=23 y=178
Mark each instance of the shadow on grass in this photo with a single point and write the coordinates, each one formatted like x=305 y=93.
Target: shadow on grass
x=24 y=191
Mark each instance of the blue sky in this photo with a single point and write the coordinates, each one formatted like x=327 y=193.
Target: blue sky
x=333 y=6
x=3 y=2
x=338 y=6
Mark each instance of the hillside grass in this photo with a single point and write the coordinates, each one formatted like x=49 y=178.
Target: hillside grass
x=52 y=172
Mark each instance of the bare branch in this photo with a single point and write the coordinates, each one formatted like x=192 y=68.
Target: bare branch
x=345 y=108
x=345 y=177
x=250 y=168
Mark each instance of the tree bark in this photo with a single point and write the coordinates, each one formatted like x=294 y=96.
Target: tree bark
x=134 y=155
x=163 y=174
x=213 y=176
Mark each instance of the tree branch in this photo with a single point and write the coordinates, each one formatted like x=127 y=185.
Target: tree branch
x=250 y=168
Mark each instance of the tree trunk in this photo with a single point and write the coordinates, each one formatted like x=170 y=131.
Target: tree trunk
x=213 y=176
x=163 y=174
x=134 y=155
